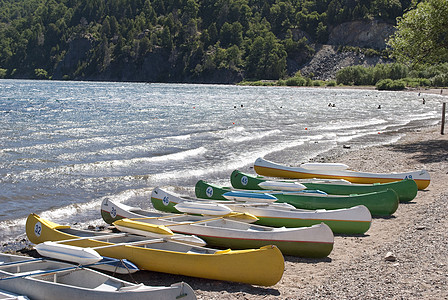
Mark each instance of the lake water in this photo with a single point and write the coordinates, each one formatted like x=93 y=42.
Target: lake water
x=65 y=146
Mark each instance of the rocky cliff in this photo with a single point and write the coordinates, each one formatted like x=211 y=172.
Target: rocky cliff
x=363 y=34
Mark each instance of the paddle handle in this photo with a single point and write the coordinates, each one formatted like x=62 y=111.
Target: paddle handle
x=99 y=237
x=54 y=271
x=19 y=263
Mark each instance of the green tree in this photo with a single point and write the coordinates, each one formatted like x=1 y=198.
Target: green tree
x=422 y=34
x=3 y=73
x=40 y=74
x=266 y=58
x=166 y=39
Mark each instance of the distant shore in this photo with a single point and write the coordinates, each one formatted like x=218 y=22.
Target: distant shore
x=433 y=91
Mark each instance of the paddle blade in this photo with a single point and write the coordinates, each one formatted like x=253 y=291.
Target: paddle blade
x=325 y=166
x=83 y=256
x=281 y=186
x=203 y=208
x=115 y=265
x=248 y=196
x=242 y=217
x=142 y=228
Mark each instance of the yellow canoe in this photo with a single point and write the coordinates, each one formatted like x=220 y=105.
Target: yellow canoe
x=268 y=168
x=263 y=266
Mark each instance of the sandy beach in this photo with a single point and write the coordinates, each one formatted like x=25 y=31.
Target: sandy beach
x=416 y=235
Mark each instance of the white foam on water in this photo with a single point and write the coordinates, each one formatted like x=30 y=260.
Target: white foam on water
x=105 y=166
x=348 y=124
x=250 y=136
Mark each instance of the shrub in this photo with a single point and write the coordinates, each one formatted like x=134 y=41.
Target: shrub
x=440 y=80
x=281 y=82
x=391 y=85
x=416 y=82
x=296 y=81
x=3 y=73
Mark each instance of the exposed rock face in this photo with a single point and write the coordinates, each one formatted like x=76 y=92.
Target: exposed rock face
x=364 y=34
x=367 y=34
x=327 y=61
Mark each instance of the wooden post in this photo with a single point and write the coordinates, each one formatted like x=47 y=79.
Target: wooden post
x=443 y=118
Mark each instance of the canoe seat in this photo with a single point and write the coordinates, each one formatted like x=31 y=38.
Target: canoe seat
x=140 y=286
x=31 y=272
x=109 y=285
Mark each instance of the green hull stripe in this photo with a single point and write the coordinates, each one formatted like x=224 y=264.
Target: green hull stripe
x=406 y=189
x=337 y=226
x=382 y=203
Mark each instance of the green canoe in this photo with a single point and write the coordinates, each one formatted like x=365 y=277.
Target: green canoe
x=406 y=189
x=381 y=203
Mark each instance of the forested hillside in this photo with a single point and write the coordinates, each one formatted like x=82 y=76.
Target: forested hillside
x=172 y=40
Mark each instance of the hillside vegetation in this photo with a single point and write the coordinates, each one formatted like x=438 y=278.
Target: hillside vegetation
x=172 y=40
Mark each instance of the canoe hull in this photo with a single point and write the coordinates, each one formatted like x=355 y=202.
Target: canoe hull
x=271 y=169
x=262 y=266
x=316 y=241
x=301 y=249
x=354 y=220
x=406 y=189
x=382 y=203
x=88 y=283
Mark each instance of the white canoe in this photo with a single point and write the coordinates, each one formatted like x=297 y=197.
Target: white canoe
x=269 y=168
x=48 y=279
x=354 y=220
x=204 y=209
x=7 y=295
x=314 y=241
x=281 y=185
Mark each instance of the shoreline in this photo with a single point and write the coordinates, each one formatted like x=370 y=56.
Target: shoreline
x=416 y=235
x=356 y=268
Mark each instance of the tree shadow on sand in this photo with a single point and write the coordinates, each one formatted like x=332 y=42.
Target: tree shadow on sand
x=431 y=151
x=297 y=259
x=163 y=279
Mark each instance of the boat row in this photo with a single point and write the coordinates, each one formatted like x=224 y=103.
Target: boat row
x=353 y=220
x=167 y=254
x=380 y=203
x=239 y=233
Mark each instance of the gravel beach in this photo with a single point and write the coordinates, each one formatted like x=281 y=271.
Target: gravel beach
x=416 y=237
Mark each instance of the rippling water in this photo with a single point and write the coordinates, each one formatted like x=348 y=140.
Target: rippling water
x=64 y=146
